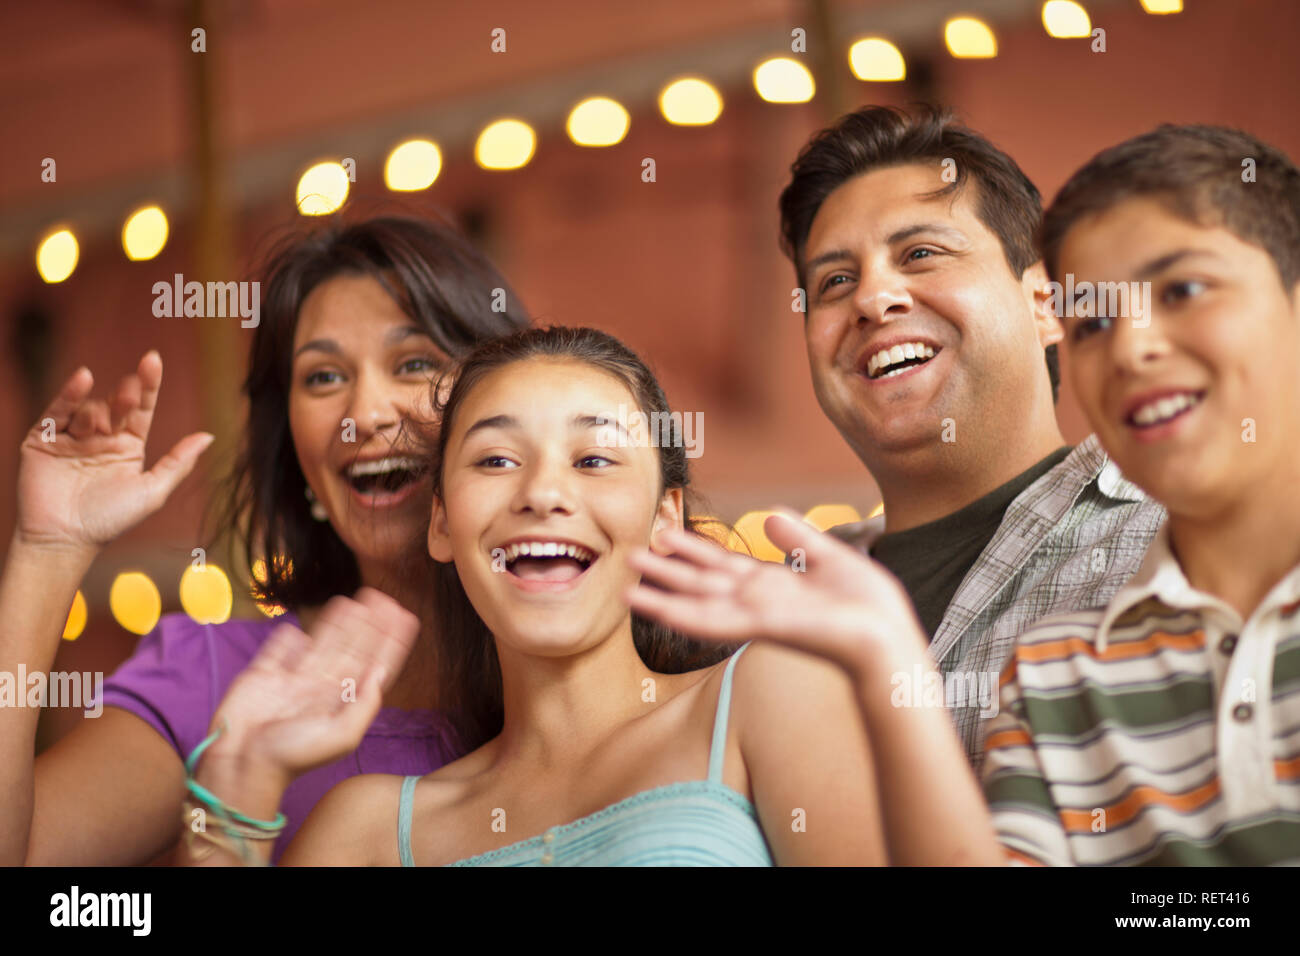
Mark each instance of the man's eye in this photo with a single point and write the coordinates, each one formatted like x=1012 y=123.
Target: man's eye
x=833 y=281
x=919 y=253
x=1177 y=291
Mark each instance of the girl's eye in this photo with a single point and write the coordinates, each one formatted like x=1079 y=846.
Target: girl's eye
x=1177 y=291
x=495 y=461
x=322 y=377
x=1087 y=326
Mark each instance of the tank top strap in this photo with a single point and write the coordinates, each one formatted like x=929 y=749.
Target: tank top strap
x=718 y=748
x=404 y=805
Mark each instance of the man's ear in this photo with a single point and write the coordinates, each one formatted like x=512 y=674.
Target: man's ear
x=1038 y=292
x=439 y=534
x=671 y=514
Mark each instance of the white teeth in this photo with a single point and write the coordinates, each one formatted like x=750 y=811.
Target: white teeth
x=1163 y=409
x=382 y=466
x=896 y=354
x=548 y=549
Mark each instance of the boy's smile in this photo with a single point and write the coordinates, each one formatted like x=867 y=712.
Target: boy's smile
x=1198 y=401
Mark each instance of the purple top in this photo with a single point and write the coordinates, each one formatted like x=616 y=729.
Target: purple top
x=180 y=671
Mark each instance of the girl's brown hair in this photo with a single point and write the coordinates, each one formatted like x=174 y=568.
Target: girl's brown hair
x=469 y=673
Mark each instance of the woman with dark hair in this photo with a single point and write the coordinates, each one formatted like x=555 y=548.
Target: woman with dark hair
x=327 y=494
x=593 y=744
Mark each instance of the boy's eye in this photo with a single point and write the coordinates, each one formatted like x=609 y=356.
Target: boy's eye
x=596 y=458
x=1087 y=326
x=1177 y=291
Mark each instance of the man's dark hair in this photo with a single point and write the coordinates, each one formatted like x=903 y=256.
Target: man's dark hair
x=877 y=137
x=1199 y=174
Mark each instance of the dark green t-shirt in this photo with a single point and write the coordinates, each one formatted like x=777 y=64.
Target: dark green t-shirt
x=932 y=559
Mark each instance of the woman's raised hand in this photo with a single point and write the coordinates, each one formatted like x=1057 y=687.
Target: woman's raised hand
x=306 y=700
x=831 y=600
x=81 y=477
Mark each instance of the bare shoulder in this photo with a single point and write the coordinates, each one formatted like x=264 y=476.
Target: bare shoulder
x=355 y=824
x=779 y=686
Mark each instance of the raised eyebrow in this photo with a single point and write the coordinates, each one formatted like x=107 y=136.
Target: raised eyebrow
x=1161 y=263
x=585 y=422
x=834 y=255
x=493 y=421
x=399 y=334
x=328 y=346
x=907 y=232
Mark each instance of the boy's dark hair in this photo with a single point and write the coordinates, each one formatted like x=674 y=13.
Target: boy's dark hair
x=877 y=137
x=1198 y=173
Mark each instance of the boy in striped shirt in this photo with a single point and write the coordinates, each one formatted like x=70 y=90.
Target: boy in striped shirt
x=1163 y=728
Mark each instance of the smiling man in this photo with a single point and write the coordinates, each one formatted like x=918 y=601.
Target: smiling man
x=932 y=346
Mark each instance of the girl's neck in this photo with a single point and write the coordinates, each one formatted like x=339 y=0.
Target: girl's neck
x=557 y=710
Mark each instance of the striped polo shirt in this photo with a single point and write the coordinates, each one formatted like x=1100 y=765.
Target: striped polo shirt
x=1159 y=730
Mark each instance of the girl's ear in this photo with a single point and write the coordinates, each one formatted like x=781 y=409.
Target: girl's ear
x=671 y=514
x=439 y=534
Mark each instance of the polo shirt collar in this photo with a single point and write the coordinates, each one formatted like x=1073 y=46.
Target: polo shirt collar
x=1162 y=577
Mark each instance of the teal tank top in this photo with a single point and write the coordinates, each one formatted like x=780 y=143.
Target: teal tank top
x=695 y=823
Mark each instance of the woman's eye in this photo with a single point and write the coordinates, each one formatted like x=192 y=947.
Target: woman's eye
x=414 y=366
x=323 y=377
x=1177 y=291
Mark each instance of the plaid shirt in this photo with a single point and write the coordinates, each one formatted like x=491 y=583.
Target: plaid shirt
x=1068 y=542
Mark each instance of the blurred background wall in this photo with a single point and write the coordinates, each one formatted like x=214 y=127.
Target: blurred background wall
x=686 y=268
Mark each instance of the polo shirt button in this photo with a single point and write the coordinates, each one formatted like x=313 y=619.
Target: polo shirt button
x=1243 y=712
x=549 y=837
x=547 y=859
x=1228 y=644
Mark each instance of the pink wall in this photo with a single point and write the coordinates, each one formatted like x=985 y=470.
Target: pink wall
x=685 y=269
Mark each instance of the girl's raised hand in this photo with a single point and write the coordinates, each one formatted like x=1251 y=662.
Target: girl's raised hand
x=306 y=700
x=831 y=600
x=81 y=477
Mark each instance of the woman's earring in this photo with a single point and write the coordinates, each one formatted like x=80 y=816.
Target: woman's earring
x=317 y=509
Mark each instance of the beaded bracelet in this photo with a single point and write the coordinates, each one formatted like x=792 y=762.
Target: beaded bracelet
x=233 y=823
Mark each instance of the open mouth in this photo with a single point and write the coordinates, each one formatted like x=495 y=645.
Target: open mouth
x=1164 y=409
x=554 y=562
x=383 y=476
x=898 y=359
